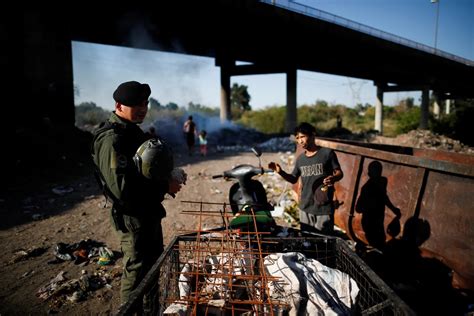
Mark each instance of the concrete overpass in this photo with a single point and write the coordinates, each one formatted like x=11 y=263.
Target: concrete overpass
x=268 y=35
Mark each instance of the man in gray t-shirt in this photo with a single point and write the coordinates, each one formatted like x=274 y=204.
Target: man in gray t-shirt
x=318 y=169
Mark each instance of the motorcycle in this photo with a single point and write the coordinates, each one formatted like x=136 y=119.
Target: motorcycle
x=247 y=197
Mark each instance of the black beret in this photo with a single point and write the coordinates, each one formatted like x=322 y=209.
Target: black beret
x=132 y=93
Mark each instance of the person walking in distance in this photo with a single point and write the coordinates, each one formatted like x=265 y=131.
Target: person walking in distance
x=203 y=143
x=137 y=211
x=189 y=129
x=318 y=168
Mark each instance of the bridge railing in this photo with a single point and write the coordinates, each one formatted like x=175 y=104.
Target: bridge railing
x=329 y=17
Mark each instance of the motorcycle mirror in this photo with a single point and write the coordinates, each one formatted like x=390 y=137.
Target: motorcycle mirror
x=257 y=151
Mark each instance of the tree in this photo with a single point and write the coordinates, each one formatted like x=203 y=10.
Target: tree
x=154 y=104
x=88 y=113
x=199 y=108
x=240 y=98
x=171 y=106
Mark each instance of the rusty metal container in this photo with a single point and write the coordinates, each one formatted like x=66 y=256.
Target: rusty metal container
x=436 y=186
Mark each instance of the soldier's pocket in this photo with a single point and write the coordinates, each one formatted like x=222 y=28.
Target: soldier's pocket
x=133 y=224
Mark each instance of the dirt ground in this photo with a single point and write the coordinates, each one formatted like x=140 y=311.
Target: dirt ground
x=33 y=222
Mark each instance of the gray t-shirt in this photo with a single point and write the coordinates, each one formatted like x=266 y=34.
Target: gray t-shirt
x=312 y=171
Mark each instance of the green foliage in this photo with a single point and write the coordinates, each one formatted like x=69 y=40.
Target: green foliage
x=161 y=112
x=205 y=110
x=362 y=108
x=408 y=120
x=172 y=106
x=270 y=120
x=239 y=100
x=88 y=113
x=458 y=124
x=397 y=119
x=154 y=104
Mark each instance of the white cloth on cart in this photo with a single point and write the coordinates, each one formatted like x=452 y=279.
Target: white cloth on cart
x=309 y=287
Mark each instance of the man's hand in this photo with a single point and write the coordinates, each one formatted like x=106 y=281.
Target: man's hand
x=328 y=180
x=274 y=166
x=336 y=176
x=174 y=186
x=277 y=168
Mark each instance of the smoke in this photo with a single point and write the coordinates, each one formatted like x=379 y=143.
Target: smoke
x=171 y=130
x=175 y=77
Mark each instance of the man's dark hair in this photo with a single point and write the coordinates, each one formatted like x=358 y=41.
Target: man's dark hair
x=306 y=129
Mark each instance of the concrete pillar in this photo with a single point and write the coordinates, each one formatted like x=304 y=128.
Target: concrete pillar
x=225 y=114
x=448 y=106
x=425 y=100
x=436 y=107
x=47 y=66
x=379 y=111
x=291 y=112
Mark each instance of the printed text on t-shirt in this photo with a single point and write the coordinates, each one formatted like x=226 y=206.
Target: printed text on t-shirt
x=312 y=170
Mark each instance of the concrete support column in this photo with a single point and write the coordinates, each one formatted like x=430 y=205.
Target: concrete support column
x=448 y=106
x=436 y=107
x=225 y=113
x=291 y=112
x=47 y=68
x=425 y=100
x=379 y=110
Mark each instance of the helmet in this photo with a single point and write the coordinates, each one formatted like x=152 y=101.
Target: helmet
x=154 y=159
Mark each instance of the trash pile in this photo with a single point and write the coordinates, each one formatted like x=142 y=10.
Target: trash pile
x=425 y=139
x=281 y=193
x=60 y=289
x=82 y=252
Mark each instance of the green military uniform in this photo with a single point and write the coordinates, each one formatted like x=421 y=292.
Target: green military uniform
x=137 y=210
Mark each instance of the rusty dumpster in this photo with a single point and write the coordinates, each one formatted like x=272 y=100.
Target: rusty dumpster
x=433 y=185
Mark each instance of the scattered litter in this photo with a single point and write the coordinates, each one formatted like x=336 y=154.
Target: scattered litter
x=60 y=289
x=22 y=254
x=61 y=252
x=24 y=275
x=46 y=291
x=79 y=252
x=76 y=296
x=284 y=232
x=105 y=256
x=278 y=211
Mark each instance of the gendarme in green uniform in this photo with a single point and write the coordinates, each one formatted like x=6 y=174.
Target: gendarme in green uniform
x=138 y=221
x=137 y=205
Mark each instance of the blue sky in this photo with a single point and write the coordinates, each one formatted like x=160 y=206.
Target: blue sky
x=99 y=69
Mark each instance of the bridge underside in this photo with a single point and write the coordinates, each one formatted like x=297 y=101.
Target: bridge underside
x=272 y=39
